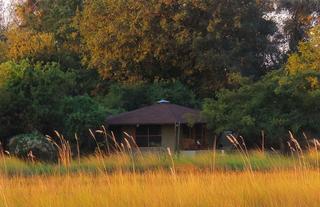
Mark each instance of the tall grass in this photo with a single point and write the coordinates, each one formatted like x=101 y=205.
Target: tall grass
x=129 y=177
x=157 y=189
x=224 y=162
x=126 y=156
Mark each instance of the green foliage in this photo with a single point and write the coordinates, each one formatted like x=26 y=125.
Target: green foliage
x=43 y=97
x=46 y=24
x=81 y=114
x=125 y=98
x=31 y=95
x=275 y=104
x=49 y=15
x=181 y=40
x=307 y=57
x=148 y=50
x=21 y=145
x=175 y=92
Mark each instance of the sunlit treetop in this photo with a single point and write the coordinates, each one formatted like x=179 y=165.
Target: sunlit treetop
x=307 y=58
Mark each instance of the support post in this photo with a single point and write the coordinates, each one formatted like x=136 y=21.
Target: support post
x=177 y=133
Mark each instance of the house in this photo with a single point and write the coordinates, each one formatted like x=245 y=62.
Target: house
x=162 y=125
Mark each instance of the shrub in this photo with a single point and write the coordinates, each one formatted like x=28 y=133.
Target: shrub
x=41 y=148
x=31 y=95
x=277 y=103
x=44 y=97
x=82 y=113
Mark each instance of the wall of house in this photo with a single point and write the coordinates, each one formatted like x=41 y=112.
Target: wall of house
x=168 y=136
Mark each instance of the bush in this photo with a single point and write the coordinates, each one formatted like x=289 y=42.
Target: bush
x=44 y=97
x=276 y=104
x=31 y=95
x=41 y=148
x=81 y=114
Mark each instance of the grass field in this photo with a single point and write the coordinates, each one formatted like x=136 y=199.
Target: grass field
x=207 y=179
x=207 y=161
x=281 y=188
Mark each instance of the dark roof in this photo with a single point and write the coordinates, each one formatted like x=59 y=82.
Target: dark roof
x=165 y=113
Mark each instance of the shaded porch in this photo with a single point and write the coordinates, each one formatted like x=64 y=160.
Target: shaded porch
x=191 y=137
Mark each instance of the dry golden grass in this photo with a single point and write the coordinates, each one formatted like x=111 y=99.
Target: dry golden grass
x=133 y=179
x=153 y=189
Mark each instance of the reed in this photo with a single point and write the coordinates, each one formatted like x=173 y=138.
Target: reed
x=157 y=189
x=63 y=147
x=129 y=177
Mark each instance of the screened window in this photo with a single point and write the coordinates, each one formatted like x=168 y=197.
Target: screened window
x=148 y=136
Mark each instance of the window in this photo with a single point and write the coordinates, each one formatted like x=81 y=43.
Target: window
x=186 y=132
x=148 y=136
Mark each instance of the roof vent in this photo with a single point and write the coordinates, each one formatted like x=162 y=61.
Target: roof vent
x=163 y=101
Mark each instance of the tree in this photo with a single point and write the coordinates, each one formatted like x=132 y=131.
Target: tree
x=2 y=15
x=46 y=18
x=45 y=31
x=82 y=113
x=31 y=95
x=129 y=97
x=307 y=57
x=303 y=15
x=26 y=44
x=132 y=41
x=2 y=30
x=276 y=104
x=43 y=97
x=238 y=44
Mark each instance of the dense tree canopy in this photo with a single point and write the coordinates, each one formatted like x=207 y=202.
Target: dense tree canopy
x=276 y=104
x=183 y=40
x=129 y=97
x=43 y=97
x=31 y=95
x=49 y=23
x=67 y=64
x=26 y=44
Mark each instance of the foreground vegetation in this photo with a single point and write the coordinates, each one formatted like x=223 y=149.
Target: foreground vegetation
x=209 y=178
x=162 y=189
x=286 y=183
x=202 y=162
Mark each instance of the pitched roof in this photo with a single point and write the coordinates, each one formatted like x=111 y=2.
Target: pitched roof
x=161 y=113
